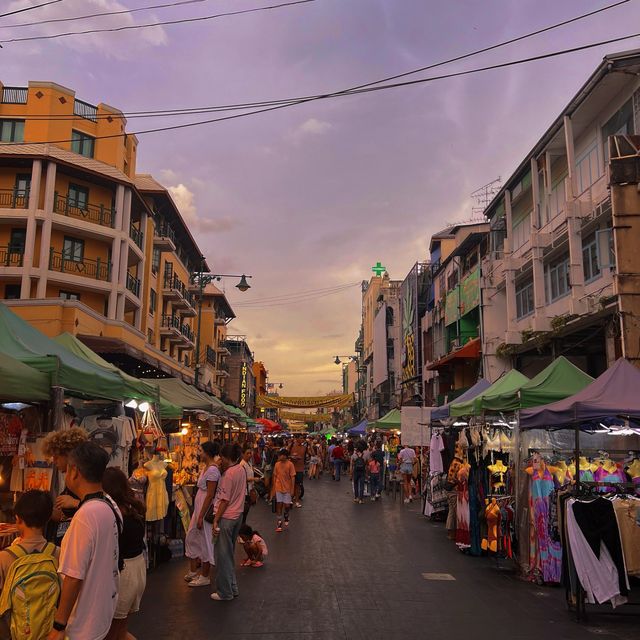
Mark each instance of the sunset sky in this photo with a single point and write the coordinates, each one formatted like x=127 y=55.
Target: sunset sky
x=310 y=197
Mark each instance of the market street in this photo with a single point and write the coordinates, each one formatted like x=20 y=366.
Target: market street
x=347 y=571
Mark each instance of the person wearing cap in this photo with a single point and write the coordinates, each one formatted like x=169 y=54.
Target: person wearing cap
x=283 y=487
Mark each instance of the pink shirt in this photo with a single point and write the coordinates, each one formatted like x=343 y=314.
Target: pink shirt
x=233 y=488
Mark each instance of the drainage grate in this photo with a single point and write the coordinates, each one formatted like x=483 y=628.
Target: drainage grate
x=437 y=576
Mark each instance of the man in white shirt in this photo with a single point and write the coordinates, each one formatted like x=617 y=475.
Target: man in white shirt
x=89 y=556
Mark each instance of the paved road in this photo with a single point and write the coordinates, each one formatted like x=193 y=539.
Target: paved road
x=345 y=571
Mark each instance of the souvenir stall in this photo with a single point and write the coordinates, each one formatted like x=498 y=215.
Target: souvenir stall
x=581 y=456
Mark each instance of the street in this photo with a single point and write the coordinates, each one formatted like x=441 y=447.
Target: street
x=347 y=571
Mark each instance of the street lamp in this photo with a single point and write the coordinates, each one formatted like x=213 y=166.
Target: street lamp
x=338 y=361
x=202 y=279
x=273 y=385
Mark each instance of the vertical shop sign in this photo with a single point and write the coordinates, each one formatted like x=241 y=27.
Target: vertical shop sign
x=244 y=384
x=409 y=311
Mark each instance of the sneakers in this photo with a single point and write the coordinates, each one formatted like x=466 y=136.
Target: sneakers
x=219 y=598
x=298 y=505
x=191 y=575
x=200 y=581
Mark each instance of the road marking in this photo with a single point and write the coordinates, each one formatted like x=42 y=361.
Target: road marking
x=437 y=576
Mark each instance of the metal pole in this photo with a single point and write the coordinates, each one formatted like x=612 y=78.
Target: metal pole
x=200 y=293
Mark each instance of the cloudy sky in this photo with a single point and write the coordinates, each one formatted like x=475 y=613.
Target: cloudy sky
x=308 y=198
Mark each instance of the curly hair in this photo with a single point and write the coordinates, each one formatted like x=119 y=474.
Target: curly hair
x=62 y=442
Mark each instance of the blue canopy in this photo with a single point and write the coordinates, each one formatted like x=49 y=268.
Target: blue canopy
x=442 y=413
x=359 y=430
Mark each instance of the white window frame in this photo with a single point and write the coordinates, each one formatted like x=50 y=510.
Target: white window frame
x=524 y=293
x=556 y=275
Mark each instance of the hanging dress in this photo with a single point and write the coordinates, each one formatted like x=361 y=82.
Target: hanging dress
x=463 y=537
x=545 y=554
x=157 y=497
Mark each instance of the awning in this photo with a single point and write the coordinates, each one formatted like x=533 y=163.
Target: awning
x=359 y=430
x=391 y=420
x=442 y=413
x=269 y=425
x=23 y=342
x=189 y=398
x=21 y=383
x=470 y=351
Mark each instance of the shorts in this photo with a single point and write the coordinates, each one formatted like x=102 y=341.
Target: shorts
x=406 y=468
x=285 y=498
x=314 y=460
x=299 y=477
x=133 y=580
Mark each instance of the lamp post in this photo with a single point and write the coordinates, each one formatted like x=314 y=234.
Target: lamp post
x=202 y=279
x=338 y=361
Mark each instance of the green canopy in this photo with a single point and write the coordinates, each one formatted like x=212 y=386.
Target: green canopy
x=186 y=396
x=19 y=382
x=491 y=398
x=236 y=413
x=558 y=381
x=389 y=421
x=134 y=388
x=23 y=342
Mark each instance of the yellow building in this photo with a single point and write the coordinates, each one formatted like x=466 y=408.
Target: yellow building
x=90 y=247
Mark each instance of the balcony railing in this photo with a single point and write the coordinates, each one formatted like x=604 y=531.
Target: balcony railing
x=137 y=236
x=14 y=198
x=187 y=332
x=11 y=256
x=85 y=110
x=165 y=231
x=96 y=269
x=133 y=284
x=171 y=281
x=96 y=213
x=171 y=322
x=14 y=95
x=211 y=356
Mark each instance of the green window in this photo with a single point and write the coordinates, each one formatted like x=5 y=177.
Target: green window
x=11 y=130
x=82 y=144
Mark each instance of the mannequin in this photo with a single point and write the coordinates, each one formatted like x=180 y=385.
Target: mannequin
x=157 y=498
x=586 y=469
x=498 y=469
x=492 y=514
x=633 y=470
x=561 y=472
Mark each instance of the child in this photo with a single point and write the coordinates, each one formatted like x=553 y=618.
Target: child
x=374 y=479
x=254 y=546
x=30 y=555
x=283 y=487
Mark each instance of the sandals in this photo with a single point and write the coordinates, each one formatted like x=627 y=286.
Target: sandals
x=247 y=563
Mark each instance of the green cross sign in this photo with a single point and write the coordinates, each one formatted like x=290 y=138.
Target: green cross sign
x=378 y=269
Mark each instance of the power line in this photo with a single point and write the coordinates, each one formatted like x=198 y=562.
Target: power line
x=264 y=103
x=161 y=23
x=99 y=15
x=292 y=297
x=35 y=6
x=407 y=83
x=290 y=302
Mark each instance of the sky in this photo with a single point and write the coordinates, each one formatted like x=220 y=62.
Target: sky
x=310 y=197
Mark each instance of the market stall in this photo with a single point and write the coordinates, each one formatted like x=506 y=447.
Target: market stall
x=582 y=458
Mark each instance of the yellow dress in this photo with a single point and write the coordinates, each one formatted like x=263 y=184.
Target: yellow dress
x=157 y=498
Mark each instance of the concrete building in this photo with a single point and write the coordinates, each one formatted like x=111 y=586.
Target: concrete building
x=89 y=246
x=240 y=387
x=555 y=279
x=451 y=326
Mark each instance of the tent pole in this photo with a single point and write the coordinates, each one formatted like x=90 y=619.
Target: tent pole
x=57 y=408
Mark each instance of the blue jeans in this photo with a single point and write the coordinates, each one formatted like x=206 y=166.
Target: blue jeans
x=358 y=484
x=374 y=484
x=226 y=583
x=337 y=465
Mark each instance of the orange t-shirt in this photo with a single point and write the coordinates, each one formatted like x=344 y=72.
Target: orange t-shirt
x=284 y=475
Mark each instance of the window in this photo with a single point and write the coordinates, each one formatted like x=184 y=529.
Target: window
x=17 y=240
x=588 y=168
x=73 y=249
x=155 y=261
x=11 y=130
x=82 y=143
x=524 y=299
x=590 y=264
x=68 y=295
x=620 y=123
x=153 y=301
x=12 y=292
x=150 y=336
x=78 y=196
x=557 y=198
x=556 y=276
x=521 y=232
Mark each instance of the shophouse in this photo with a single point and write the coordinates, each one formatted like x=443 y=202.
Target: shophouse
x=240 y=387
x=551 y=279
x=89 y=246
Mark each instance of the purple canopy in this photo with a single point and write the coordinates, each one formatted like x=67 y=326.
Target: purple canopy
x=613 y=393
x=442 y=413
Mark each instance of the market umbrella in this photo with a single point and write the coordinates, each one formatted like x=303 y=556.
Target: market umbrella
x=442 y=413
x=269 y=425
x=360 y=429
x=21 y=383
x=391 y=420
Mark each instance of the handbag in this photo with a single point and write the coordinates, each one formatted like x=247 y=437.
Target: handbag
x=209 y=515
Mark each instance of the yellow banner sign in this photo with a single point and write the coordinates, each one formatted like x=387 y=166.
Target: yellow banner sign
x=279 y=402
x=305 y=417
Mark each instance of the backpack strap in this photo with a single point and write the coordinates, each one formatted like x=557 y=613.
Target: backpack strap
x=17 y=551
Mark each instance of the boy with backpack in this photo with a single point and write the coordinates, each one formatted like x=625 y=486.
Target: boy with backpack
x=29 y=571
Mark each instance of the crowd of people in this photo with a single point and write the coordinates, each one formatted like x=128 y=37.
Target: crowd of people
x=81 y=557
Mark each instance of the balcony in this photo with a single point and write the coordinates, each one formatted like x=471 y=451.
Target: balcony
x=95 y=269
x=211 y=356
x=187 y=332
x=11 y=256
x=133 y=285
x=170 y=328
x=85 y=110
x=14 y=198
x=164 y=238
x=176 y=291
x=96 y=213
x=136 y=235
x=222 y=350
x=222 y=370
x=14 y=95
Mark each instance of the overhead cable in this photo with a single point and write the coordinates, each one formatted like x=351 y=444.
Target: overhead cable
x=31 y=8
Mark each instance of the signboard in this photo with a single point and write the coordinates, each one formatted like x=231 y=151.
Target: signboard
x=244 y=385
x=380 y=359
x=451 y=306
x=414 y=429
x=463 y=298
x=409 y=312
